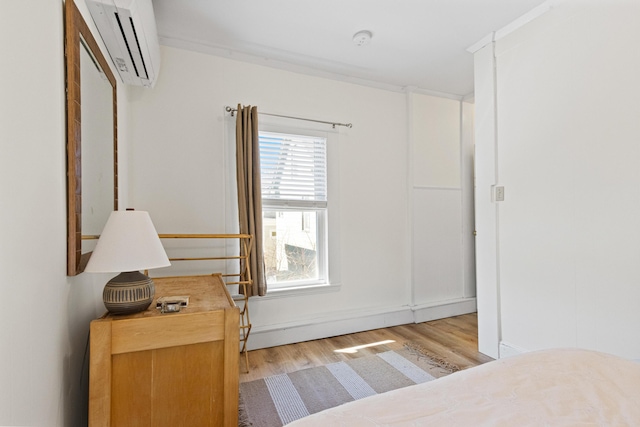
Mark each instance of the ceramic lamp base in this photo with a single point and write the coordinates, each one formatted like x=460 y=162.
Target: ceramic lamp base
x=129 y=292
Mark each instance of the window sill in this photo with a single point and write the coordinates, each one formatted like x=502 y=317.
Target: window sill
x=302 y=290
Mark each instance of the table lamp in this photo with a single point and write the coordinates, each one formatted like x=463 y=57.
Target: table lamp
x=128 y=243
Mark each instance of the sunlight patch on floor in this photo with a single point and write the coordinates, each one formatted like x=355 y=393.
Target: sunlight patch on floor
x=355 y=349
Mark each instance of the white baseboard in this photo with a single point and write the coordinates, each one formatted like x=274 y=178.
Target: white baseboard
x=428 y=312
x=508 y=350
x=347 y=323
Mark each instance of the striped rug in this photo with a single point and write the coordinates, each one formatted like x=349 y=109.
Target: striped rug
x=280 y=399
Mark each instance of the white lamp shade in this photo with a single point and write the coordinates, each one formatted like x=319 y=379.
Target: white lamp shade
x=129 y=242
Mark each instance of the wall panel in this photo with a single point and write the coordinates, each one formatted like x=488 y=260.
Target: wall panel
x=567 y=155
x=437 y=247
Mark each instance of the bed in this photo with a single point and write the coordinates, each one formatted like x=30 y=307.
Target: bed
x=563 y=387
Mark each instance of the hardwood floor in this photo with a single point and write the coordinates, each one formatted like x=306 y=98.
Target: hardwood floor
x=453 y=339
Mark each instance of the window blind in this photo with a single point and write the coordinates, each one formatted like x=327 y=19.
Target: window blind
x=293 y=168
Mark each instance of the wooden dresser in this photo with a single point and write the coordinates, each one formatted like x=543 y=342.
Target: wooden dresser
x=172 y=369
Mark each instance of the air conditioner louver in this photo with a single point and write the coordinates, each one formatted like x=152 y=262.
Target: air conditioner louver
x=128 y=29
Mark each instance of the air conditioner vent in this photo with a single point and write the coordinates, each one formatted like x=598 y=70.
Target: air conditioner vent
x=128 y=29
x=135 y=34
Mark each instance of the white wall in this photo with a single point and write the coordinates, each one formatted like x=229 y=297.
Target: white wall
x=487 y=289
x=567 y=147
x=45 y=315
x=442 y=241
x=179 y=172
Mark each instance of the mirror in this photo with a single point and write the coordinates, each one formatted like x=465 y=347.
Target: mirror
x=96 y=129
x=92 y=174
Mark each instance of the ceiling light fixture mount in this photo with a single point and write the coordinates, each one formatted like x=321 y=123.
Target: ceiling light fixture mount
x=362 y=38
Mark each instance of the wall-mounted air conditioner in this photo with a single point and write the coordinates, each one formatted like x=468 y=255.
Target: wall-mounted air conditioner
x=128 y=29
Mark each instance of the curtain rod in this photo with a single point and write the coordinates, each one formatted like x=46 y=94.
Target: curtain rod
x=333 y=124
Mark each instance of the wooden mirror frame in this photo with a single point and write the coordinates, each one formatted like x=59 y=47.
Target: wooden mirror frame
x=75 y=28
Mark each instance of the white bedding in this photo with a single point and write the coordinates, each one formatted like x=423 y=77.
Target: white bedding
x=567 y=387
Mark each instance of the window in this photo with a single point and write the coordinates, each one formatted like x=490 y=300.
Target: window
x=294 y=209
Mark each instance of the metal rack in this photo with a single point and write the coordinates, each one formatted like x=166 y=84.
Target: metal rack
x=242 y=278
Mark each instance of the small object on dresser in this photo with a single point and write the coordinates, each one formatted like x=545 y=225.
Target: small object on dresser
x=172 y=304
x=170 y=307
x=182 y=300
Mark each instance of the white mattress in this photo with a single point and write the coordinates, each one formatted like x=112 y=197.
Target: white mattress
x=567 y=387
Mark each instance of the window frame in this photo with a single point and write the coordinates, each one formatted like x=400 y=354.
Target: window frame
x=322 y=212
x=332 y=281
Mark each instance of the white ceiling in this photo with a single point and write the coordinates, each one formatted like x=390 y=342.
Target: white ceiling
x=416 y=43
